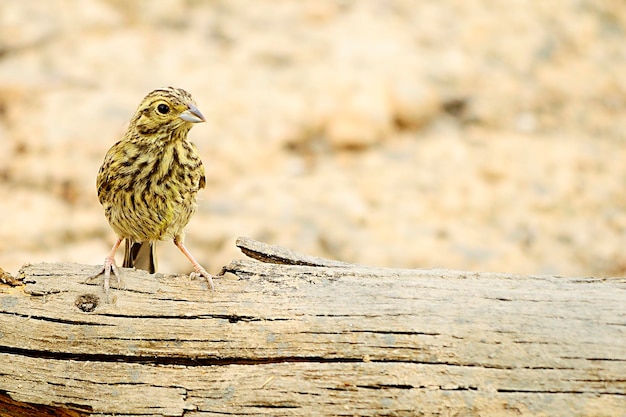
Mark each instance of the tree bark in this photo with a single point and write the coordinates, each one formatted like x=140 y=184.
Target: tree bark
x=289 y=334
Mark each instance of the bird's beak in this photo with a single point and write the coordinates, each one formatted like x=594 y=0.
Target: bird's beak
x=192 y=115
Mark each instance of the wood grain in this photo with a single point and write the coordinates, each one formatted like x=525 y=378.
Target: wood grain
x=313 y=338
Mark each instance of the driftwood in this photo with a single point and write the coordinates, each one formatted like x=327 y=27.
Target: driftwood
x=288 y=334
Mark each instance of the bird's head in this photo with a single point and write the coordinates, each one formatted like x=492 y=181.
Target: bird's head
x=166 y=110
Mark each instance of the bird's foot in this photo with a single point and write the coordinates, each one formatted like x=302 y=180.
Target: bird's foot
x=202 y=273
x=109 y=265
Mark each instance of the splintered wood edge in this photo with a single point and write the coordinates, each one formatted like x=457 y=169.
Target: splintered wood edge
x=278 y=255
x=24 y=409
x=8 y=279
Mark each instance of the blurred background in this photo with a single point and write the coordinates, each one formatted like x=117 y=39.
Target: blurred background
x=481 y=135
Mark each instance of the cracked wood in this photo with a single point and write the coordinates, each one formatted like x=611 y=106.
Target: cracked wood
x=298 y=335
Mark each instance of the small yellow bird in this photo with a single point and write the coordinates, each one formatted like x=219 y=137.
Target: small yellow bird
x=149 y=180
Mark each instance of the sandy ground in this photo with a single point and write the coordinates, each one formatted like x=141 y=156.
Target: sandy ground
x=478 y=135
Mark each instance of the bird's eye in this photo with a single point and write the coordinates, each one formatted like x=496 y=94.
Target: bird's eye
x=163 y=108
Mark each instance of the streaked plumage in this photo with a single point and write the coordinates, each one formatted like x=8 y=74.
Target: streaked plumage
x=149 y=180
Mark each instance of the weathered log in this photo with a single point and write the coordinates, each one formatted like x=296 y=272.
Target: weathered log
x=298 y=335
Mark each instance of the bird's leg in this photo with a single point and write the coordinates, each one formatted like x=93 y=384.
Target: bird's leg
x=109 y=265
x=199 y=270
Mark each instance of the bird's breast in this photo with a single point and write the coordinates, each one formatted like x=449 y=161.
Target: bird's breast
x=154 y=192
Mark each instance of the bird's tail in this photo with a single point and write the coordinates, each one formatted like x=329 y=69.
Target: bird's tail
x=140 y=255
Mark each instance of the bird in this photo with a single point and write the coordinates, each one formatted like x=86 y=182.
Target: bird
x=149 y=181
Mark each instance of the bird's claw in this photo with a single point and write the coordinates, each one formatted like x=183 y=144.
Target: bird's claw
x=201 y=272
x=109 y=265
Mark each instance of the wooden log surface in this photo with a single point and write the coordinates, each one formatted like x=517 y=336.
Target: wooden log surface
x=288 y=334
